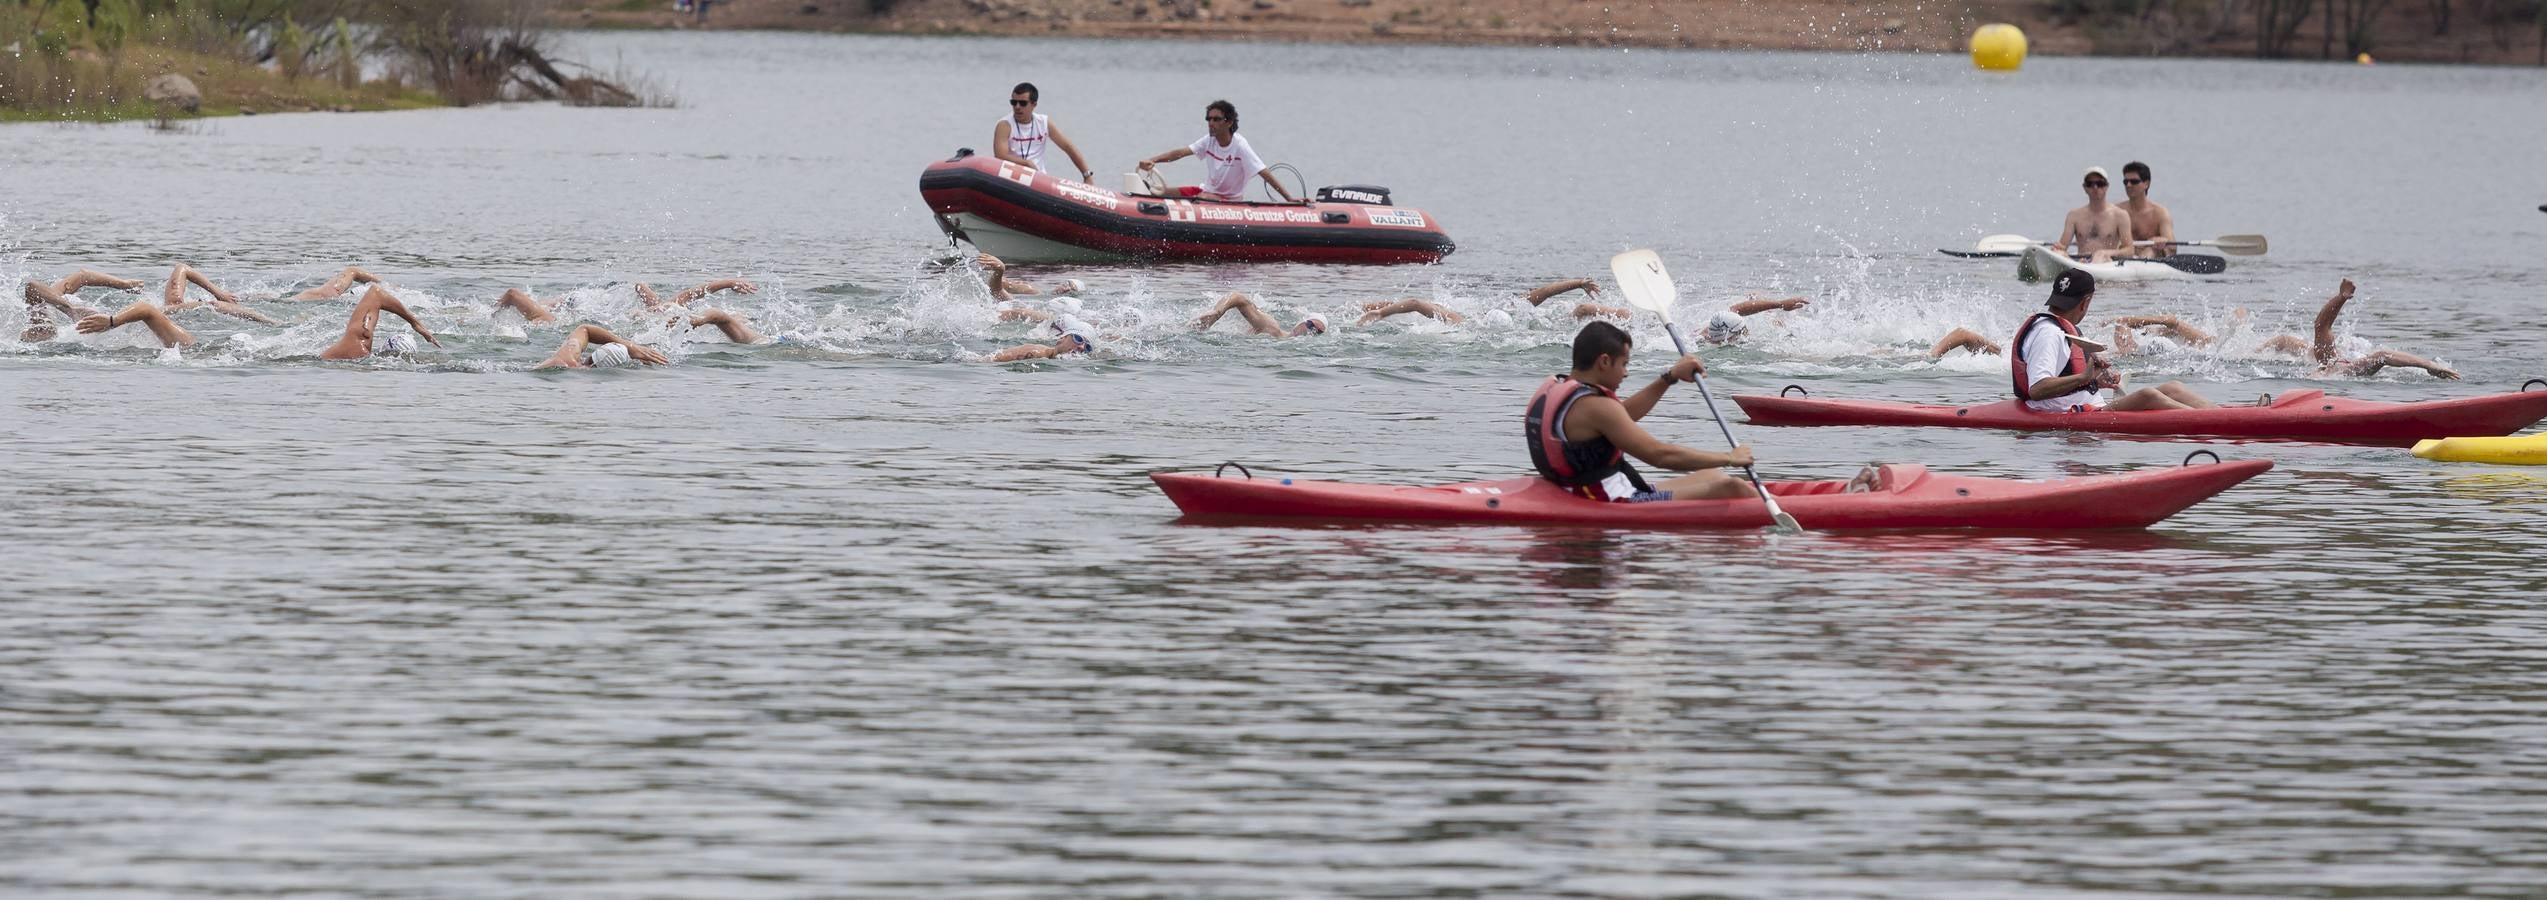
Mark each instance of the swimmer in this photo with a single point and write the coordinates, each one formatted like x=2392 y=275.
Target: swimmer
x=1076 y=338
x=1963 y=339
x=1585 y=310
x=1727 y=325
x=336 y=285
x=173 y=296
x=646 y=292
x=1257 y=321
x=1004 y=288
x=591 y=346
x=736 y=328
x=43 y=299
x=142 y=311
x=1376 y=310
x=2329 y=358
x=363 y=326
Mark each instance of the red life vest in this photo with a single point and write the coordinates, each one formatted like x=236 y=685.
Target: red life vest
x=2075 y=365
x=1568 y=463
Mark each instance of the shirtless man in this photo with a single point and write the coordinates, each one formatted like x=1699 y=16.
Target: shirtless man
x=2149 y=221
x=363 y=326
x=2322 y=349
x=2099 y=231
x=1258 y=321
x=594 y=347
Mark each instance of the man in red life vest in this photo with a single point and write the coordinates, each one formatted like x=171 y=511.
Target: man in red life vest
x=2054 y=374
x=1581 y=433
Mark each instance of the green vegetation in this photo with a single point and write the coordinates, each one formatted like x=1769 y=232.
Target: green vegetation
x=2284 y=28
x=95 y=60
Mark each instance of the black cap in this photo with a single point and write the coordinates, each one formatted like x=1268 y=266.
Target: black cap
x=2071 y=289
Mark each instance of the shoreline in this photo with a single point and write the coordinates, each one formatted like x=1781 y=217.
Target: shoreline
x=1789 y=25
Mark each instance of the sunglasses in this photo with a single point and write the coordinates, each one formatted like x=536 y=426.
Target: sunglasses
x=1021 y=103
x=2135 y=181
x=1215 y=119
x=2096 y=184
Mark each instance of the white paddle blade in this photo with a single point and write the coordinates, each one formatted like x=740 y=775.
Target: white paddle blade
x=2003 y=243
x=1641 y=277
x=2240 y=244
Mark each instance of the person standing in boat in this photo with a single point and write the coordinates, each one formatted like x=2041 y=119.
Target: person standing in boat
x=1581 y=432
x=2149 y=221
x=1227 y=159
x=2054 y=374
x=1020 y=138
x=2098 y=231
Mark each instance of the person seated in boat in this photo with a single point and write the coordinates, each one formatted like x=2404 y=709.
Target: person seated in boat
x=2099 y=231
x=1375 y=310
x=1227 y=159
x=1581 y=433
x=2150 y=222
x=363 y=327
x=1257 y=321
x=2128 y=338
x=2054 y=374
x=591 y=346
x=1021 y=136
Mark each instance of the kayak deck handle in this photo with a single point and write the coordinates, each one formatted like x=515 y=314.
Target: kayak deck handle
x=1334 y=218
x=1242 y=470
x=2188 y=458
x=2524 y=386
x=1796 y=388
x=1154 y=209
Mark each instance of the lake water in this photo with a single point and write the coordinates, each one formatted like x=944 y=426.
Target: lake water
x=859 y=614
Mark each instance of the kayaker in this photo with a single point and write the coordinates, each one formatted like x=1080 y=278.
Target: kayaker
x=1227 y=159
x=1580 y=433
x=2149 y=221
x=1258 y=321
x=1021 y=136
x=2053 y=374
x=2099 y=231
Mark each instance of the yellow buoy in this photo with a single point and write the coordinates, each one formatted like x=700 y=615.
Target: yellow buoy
x=1998 y=48
x=2365 y=59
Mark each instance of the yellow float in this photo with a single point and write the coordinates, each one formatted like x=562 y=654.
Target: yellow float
x=2526 y=450
x=1998 y=48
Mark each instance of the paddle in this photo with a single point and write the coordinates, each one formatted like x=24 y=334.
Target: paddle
x=2231 y=244
x=1641 y=277
x=1980 y=254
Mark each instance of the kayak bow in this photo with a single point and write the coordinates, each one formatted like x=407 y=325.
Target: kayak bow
x=1909 y=497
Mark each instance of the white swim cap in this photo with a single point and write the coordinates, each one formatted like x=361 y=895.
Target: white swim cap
x=1724 y=326
x=1070 y=286
x=603 y=356
x=1068 y=306
x=393 y=344
x=1497 y=317
x=1315 y=321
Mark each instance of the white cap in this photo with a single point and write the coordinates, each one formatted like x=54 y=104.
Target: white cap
x=2098 y=171
x=603 y=356
x=394 y=343
x=1316 y=321
x=1068 y=306
x=1070 y=286
x=1725 y=325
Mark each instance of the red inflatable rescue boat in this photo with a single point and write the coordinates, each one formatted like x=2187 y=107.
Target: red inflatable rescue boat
x=1909 y=497
x=1024 y=216
x=2307 y=415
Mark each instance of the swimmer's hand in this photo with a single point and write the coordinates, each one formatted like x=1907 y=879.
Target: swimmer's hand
x=989 y=263
x=95 y=324
x=644 y=354
x=1687 y=369
x=1792 y=304
x=1147 y=165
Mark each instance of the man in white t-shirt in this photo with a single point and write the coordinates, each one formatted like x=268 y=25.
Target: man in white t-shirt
x=2054 y=374
x=1227 y=159
x=1022 y=136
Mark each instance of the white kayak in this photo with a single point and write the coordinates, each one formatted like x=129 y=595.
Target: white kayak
x=2042 y=263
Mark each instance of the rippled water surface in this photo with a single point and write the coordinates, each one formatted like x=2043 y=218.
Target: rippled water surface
x=857 y=613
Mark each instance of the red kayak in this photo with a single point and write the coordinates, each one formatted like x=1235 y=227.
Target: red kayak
x=1024 y=216
x=2307 y=415
x=1910 y=497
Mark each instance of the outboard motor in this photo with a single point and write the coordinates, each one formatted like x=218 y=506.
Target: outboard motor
x=1354 y=193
